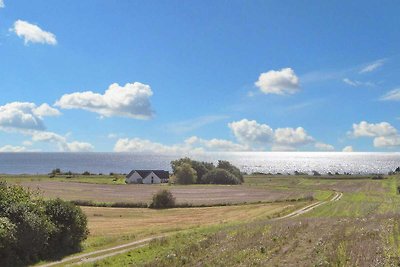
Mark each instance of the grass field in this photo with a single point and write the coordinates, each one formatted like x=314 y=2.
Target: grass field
x=362 y=229
x=109 y=226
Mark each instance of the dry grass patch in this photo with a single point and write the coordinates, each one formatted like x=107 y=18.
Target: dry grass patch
x=112 y=225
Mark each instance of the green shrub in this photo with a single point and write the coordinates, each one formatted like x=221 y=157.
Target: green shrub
x=185 y=174
x=163 y=199
x=220 y=176
x=30 y=228
x=71 y=225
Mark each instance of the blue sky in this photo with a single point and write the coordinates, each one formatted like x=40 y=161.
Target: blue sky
x=179 y=76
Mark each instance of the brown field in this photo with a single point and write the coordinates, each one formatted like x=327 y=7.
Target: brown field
x=195 y=194
x=113 y=225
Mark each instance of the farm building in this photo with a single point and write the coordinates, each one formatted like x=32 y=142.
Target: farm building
x=147 y=177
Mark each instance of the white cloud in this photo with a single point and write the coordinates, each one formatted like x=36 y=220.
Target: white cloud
x=365 y=129
x=393 y=95
x=291 y=138
x=139 y=145
x=348 y=149
x=251 y=132
x=387 y=141
x=9 y=148
x=25 y=116
x=258 y=136
x=279 y=82
x=76 y=146
x=192 y=144
x=33 y=33
x=131 y=100
x=216 y=144
x=60 y=141
x=384 y=134
x=324 y=147
x=2 y=5
x=372 y=66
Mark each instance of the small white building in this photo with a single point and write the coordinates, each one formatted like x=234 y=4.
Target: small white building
x=147 y=177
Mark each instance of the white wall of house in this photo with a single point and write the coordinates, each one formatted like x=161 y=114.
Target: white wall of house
x=152 y=178
x=135 y=178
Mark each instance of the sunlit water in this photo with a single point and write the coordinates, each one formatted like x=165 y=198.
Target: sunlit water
x=267 y=162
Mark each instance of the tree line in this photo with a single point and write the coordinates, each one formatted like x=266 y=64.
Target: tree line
x=188 y=171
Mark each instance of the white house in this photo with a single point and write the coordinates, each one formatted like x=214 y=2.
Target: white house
x=147 y=177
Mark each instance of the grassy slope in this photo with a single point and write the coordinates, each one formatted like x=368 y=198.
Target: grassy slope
x=362 y=229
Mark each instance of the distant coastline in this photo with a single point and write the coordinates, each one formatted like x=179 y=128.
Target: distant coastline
x=249 y=162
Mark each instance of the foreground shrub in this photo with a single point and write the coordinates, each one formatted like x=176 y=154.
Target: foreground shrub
x=30 y=228
x=220 y=176
x=185 y=174
x=163 y=199
x=71 y=226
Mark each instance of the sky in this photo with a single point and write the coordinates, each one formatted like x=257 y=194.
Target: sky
x=195 y=76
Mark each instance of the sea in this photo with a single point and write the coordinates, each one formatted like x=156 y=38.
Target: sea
x=249 y=162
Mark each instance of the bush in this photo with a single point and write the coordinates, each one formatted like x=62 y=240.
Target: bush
x=29 y=226
x=220 y=176
x=71 y=225
x=226 y=165
x=185 y=174
x=163 y=199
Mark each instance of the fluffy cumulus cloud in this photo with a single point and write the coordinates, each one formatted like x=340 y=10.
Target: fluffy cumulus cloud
x=28 y=119
x=61 y=142
x=383 y=133
x=192 y=144
x=365 y=129
x=348 y=149
x=372 y=66
x=215 y=144
x=280 y=82
x=131 y=100
x=146 y=146
x=393 y=95
x=324 y=147
x=32 y=33
x=2 y=4
x=25 y=116
x=291 y=138
x=251 y=132
x=10 y=148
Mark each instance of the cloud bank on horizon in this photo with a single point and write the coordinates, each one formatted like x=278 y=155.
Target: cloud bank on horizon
x=193 y=95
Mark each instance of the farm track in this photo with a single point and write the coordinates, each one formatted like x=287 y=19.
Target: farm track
x=108 y=252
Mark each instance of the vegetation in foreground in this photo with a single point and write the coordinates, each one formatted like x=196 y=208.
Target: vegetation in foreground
x=32 y=229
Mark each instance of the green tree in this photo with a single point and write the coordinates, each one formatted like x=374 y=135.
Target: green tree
x=200 y=167
x=226 y=165
x=185 y=174
x=220 y=176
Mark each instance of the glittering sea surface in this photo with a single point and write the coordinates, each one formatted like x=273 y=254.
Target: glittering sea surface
x=267 y=162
